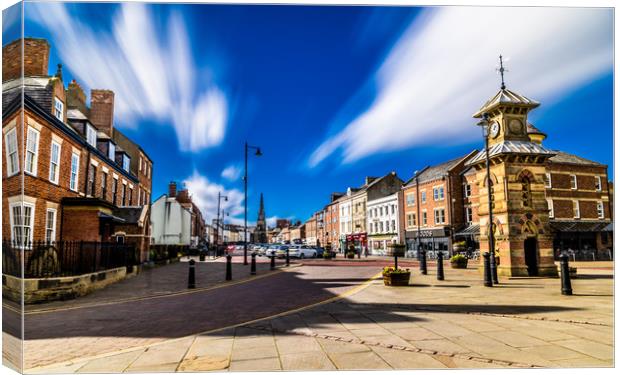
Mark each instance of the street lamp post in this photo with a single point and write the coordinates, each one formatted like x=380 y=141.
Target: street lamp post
x=245 y=202
x=217 y=229
x=484 y=124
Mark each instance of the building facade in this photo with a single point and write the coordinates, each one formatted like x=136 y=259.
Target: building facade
x=383 y=223
x=77 y=185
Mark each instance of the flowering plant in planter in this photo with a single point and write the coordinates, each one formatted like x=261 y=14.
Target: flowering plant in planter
x=396 y=276
x=458 y=261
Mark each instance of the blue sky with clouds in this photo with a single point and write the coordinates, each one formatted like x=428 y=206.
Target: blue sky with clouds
x=331 y=94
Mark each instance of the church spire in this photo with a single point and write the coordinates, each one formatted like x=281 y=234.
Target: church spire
x=261 y=224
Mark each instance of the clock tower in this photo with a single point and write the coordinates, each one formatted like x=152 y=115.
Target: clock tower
x=522 y=238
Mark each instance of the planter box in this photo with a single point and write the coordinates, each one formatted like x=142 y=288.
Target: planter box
x=351 y=255
x=458 y=265
x=397 y=279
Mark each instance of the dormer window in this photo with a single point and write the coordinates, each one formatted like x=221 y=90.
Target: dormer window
x=111 y=150
x=58 y=109
x=126 y=162
x=91 y=135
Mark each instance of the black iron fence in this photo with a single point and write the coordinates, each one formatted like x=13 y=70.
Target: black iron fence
x=65 y=258
x=160 y=253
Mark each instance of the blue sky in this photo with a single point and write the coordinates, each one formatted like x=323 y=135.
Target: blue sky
x=330 y=94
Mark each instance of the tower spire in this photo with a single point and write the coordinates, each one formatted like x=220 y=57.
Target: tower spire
x=501 y=71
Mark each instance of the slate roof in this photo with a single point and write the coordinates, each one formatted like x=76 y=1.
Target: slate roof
x=131 y=215
x=578 y=226
x=511 y=147
x=435 y=172
x=531 y=129
x=505 y=96
x=562 y=157
x=37 y=88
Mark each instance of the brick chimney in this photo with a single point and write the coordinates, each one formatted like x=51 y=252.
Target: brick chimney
x=172 y=189
x=36 y=58
x=183 y=196
x=76 y=98
x=102 y=110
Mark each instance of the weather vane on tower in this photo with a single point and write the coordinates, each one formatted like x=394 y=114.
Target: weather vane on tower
x=501 y=71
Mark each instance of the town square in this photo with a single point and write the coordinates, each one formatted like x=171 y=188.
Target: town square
x=261 y=187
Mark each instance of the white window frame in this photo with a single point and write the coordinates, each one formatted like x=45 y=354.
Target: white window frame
x=58 y=109
x=600 y=209
x=423 y=196
x=467 y=190
x=111 y=150
x=74 y=175
x=52 y=229
x=573 y=182
x=437 y=217
x=10 y=139
x=424 y=218
x=410 y=202
x=551 y=211
x=548 y=180
x=13 y=224
x=469 y=215
x=125 y=159
x=35 y=153
x=598 y=186
x=54 y=173
x=576 y=211
x=91 y=135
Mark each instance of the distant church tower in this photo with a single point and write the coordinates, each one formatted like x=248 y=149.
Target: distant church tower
x=523 y=239
x=260 y=233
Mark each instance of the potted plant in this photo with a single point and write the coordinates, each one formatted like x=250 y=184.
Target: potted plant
x=458 y=261
x=351 y=252
x=459 y=246
x=396 y=276
x=327 y=253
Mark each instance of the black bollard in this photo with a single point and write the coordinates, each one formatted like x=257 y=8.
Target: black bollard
x=567 y=289
x=191 y=280
x=253 y=265
x=395 y=262
x=423 y=270
x=488 y=281
x=288 y=258
x=440 y=266
x=228 y=267
x=273 y=262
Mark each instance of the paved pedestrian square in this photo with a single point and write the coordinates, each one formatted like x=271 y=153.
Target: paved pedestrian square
x=456 y=323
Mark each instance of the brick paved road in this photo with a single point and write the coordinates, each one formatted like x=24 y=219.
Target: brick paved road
x=86 y=331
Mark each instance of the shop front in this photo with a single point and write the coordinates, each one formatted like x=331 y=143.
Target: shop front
x=378 y=244
x=358 y=240
x=429 y=240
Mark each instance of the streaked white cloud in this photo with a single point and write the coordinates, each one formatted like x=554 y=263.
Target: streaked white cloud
x=204 y=194
x=441 y=70
x=152 y=74
x=231 y=173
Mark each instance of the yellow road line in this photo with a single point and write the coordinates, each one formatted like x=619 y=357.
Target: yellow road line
x=342 y=295
x=134 y=299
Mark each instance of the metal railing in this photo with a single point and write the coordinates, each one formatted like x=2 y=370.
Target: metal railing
x=64 y=258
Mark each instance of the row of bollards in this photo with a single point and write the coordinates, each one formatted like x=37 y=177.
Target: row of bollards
x=191 y=279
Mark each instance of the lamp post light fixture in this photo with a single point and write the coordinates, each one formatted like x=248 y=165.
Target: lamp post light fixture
x=218 y=224
x=245 y=201
x=484 y=125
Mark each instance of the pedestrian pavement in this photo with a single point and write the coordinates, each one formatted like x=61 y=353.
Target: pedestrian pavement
x=160 y=281
x=455 y=323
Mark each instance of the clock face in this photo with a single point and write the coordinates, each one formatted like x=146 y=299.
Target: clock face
x=494 y=129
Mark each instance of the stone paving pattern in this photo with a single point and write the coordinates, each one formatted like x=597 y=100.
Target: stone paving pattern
x=457 y=323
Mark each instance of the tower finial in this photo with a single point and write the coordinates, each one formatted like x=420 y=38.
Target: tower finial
x=501 y=71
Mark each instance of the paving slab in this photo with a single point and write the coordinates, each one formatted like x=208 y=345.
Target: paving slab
x=367 y=360
x=306 y=361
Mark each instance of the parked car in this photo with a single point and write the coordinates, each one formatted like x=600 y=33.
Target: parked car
x=281 y=251
x=319 y=251
x=230 y=249
x=271 y=250
x=302 y=251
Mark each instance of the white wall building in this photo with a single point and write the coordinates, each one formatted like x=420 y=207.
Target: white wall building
x=171 y=223
x=382 y=223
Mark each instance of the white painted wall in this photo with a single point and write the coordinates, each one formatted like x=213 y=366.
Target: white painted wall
x=170 y=222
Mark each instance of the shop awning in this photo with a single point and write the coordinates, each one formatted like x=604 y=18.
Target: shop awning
x=609 y=228
x=470 y=230
x=579 y=226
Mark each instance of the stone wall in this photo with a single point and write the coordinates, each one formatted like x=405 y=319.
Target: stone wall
x=60 y=288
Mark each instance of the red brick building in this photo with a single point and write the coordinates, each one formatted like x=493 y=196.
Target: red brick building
x=433 y=205
x=64 y=175
x=331 y=222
